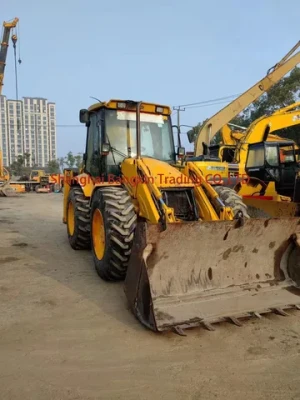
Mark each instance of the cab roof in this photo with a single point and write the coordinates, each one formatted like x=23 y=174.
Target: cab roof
x=127 y=105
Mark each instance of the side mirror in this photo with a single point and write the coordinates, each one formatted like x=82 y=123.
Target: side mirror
x=175 y=126
x=191 y=135
x=105 y=149
x=181 y=152
x=84 y=116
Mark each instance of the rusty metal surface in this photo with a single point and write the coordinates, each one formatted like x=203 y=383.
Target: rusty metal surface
x=201 y=273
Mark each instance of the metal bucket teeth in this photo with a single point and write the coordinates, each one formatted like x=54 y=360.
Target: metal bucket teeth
x=195 y=274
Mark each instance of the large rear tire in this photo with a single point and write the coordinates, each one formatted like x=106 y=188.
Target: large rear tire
x=231 y=199
x=113 y=223
x=78 y=220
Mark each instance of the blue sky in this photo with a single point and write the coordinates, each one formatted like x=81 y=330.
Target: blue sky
x=170 y=52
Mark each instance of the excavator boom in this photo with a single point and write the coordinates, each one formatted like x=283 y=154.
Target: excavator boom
x=224 y=116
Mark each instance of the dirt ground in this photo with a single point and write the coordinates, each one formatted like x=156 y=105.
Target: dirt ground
x=66 y=334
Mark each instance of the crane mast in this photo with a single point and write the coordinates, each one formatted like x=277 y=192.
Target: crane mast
x=8 y=26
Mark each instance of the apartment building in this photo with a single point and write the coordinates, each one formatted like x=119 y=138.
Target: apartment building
x=28 y=126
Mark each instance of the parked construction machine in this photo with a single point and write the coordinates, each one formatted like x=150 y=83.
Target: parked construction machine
x=273 y=178
x=232 y=157
x=234 y=147
x=186 y=258
x=7 y=28
x=267 y=164
x=5 y=188
x=206 y=160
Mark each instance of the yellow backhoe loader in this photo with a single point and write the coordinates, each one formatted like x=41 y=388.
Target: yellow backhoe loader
x=186 y=258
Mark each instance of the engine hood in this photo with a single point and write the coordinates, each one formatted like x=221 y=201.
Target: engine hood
x=160 y=173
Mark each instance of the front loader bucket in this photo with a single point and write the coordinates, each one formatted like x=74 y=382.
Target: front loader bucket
x=7 y=191
x=206 y=272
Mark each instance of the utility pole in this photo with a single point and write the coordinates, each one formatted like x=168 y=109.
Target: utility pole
x=178 y=109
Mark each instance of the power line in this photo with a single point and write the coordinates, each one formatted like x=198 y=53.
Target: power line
x=176 y=110
x=209 y=101
x=208 y=105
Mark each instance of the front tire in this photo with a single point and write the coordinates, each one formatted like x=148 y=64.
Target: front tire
x=78 y=220
x=113 y=223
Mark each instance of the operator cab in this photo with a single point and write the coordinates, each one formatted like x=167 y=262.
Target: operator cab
x=274 y=162
x=226 y=153
x=112 y=135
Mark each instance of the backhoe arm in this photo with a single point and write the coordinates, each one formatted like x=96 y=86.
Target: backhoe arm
x=224 y=116
x=166 y=213
x=210 y=204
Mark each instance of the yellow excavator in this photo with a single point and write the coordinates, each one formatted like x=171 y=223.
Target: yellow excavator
x=234 y=146
x=267 y=164
x=185 y=257
x=234 y=156
x=209 y=164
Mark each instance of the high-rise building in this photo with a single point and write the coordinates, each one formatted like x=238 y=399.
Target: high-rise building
x=28 y=126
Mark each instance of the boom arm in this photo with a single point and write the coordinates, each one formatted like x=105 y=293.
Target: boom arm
x=224 y=116
x=4 y=46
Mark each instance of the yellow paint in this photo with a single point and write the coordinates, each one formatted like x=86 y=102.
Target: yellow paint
x=164 y=175
x=145 y=107
x=98 y=234
x=7 y=26
x=274 y=208
x=71 y=218
x=205 y=195
x=68 y=176
x=273 y=203
x=212 y=125
x=37 y=174
x=214 y=172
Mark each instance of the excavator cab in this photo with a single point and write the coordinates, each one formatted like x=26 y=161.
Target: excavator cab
x=274 y=162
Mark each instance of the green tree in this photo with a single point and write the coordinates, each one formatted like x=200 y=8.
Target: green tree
x=17 y=166
x=53 y=166
x=61 y=162
x=70 y=160
x=78 y=160
x=283 y=93
x=27 y=159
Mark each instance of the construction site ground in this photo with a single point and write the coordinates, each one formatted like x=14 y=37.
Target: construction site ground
x=66 y=334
